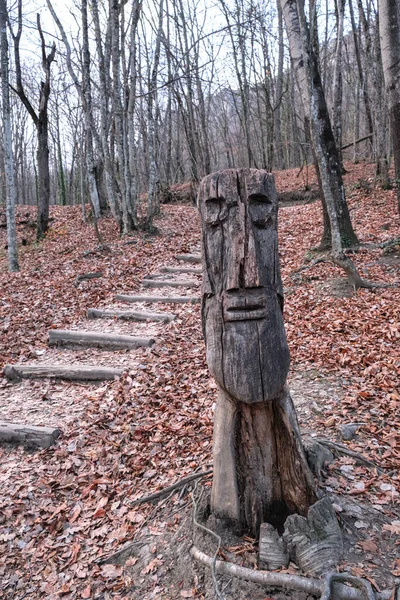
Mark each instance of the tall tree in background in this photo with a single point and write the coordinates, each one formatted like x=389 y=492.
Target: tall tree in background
x=305 y=65
x=39 y=118
x=7 y=143
x=389 y=27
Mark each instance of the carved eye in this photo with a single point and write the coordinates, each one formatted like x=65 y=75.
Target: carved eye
x=260 y=210
x=216 y=211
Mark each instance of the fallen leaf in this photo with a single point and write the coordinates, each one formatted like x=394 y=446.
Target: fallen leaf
x=368 y=546
x=393 y=527
x=111 y=571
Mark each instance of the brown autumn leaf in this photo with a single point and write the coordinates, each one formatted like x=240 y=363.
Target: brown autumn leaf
x=188 y=593
x=368 y=546
x=152 y=566
x=87 y=592
x=393 y=527
x=111 y=571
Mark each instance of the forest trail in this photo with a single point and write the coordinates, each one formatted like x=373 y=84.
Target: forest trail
x=64 y=508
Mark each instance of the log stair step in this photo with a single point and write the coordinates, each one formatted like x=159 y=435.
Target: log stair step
x=192 y=258
x=107 y=341
x=189 y=270
x=70 y=372
x=29 y=435
x=163 y=299
x=129 y=315
x=160 y=283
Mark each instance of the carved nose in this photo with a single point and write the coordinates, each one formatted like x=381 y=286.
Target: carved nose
x=242 y=268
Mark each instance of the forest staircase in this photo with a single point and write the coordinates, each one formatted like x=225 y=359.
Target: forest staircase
x=42 y=437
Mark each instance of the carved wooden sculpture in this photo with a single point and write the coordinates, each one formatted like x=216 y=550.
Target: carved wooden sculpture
x=260 y=469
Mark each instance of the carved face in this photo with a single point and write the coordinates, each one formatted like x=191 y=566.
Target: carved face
x=246 y=344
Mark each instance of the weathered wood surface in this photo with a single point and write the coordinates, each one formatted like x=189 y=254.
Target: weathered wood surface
x=160 y=283
x=260 y=468
x=36 y=437
x=70 y=372
x=129 y=315
x=109 y=341
x=253 y=443
x=192 y=258
x=272 y=551
x=315 y=541
x=163 y=299
x=189 y=270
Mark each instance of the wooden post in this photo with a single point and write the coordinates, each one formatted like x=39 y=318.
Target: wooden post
x=260 y=468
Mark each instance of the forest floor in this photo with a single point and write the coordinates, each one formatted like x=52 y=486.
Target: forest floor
x=65 y=509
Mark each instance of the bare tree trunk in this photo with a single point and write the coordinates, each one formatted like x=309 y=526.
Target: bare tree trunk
x=305 y=66
x=389 y=27
x=337 y=79
x=153 y=169
x=40 y=120
x=12 y=249
x=87 y=97
x=113 y=191
x=361 y=74
x=279 y=155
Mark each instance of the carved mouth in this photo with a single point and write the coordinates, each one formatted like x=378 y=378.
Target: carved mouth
x=244 y=305
x=245 y=313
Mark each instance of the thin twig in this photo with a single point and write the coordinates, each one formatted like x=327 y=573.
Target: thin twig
x=215 y=535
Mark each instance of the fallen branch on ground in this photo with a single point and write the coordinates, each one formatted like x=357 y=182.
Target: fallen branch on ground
x=272 y=579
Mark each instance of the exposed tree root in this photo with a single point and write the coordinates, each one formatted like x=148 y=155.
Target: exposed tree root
x=311 y=586
x=341 y=449
x=166 y=491
x=344 y=262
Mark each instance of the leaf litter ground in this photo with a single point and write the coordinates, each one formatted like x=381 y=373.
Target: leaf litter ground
x=64 y=509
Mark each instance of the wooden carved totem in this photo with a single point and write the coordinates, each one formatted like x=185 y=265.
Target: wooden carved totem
x=260 y=470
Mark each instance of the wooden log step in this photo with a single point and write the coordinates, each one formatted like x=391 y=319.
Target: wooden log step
x=163 y=299
x=108 y=341
x=34 y=437
x=192 y=258
x=70 y=372
x=159 y=283
x=191 y=270
x=129 y=315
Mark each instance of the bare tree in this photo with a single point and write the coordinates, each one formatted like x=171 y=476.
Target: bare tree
x=7 y=143
x=39 y=118
x=305 y=66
